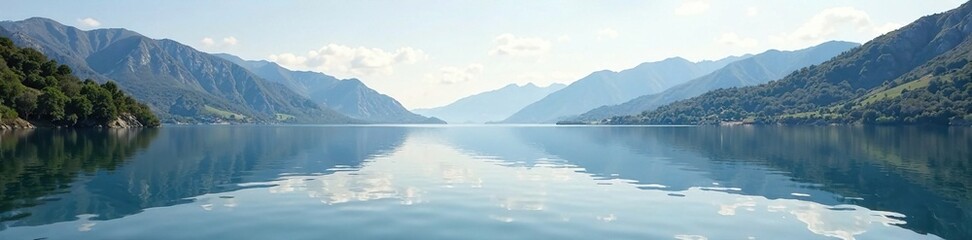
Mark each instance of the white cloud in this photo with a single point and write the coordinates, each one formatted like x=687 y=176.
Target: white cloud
x=289 y=60
x=510 y=45
x=692 y=7
x=733 y=39
x=89 y=22
x=210 y=43
x=355 y=61
x=207 y=41
x=752 y=11
x=230 y=41
x=607 y=33
x=827 y=22
x=831 y=22
x=563 y=38
x=451 y=75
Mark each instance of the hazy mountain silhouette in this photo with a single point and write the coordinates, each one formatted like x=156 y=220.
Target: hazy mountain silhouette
x=491 y=106
x=609 y=88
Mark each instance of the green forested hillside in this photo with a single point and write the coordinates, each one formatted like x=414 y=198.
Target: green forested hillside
x=928 y=57
x=937 y=93
x=41 y=90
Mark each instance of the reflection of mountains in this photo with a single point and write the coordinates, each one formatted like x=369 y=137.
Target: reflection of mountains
x=184 y=162
x=627 y=153
x=495 y=141
x=36 y=163
x=921 y=173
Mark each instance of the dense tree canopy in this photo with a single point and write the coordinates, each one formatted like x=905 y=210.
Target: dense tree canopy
x=35 y=88
x=933 y=99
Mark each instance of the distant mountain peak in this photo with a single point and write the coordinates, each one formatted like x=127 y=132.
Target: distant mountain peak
x=492 y=105
x=41 y=20
x=608 y=87
x=670 y=60
x=348 y=96
x=61 y=26
x=675 y=59
x=838 y=42
x=730 y=58
x=355 y=80
x=510 y=86
x=602 y=72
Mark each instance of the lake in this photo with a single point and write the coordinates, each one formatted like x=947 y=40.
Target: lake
x=487 y=182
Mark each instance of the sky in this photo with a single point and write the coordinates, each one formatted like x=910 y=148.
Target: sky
x=431 y=53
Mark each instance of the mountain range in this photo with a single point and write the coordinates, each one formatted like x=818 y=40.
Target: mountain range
x=918 y=74
x=491 y=106
x=178 y=82
x=758 y=69
x=610 y=88
x=349 y=96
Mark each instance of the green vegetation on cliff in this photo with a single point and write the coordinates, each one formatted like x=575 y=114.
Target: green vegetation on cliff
x=34 y=88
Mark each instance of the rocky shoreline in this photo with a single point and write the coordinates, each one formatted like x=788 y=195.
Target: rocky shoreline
x=123 y=121
x=16 y=124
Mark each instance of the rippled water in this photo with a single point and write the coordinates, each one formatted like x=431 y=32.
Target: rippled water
x=487 y=182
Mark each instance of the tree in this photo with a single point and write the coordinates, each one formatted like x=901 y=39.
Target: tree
x=934 y=86
x=870 y=116
x=7 y=112
x=64 y=70
x=52 y=104
x=104 y=109
x=26 y=103
x=80 y=107
x=10 y=85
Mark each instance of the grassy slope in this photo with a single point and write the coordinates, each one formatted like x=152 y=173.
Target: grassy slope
x=894 y=92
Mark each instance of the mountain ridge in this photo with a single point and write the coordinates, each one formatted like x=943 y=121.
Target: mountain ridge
x=865 y=85
x=347 y=96
x=490 y=106
x=760 y=68
x=607 y=87
x=178 y=82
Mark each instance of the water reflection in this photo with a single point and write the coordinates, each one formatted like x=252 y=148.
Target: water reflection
x=180 y=163
x=498 y=182
x=36 y=164
x=922 y=173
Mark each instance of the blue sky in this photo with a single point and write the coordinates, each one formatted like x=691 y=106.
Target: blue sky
x=430 y=53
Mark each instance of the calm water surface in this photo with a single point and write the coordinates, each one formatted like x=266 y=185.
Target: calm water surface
x=487 y=182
